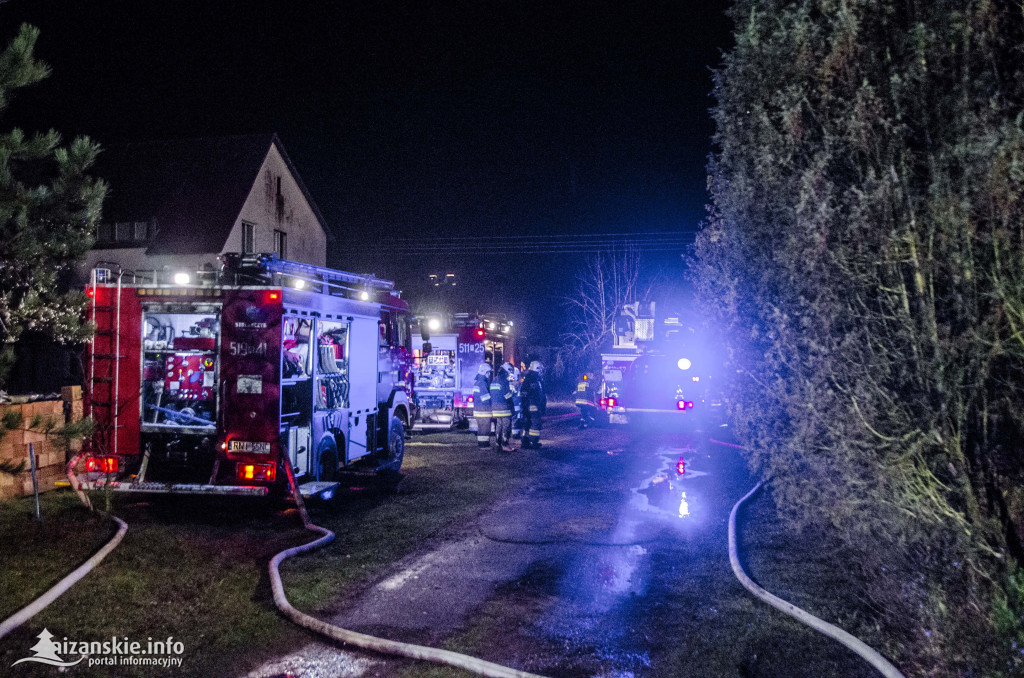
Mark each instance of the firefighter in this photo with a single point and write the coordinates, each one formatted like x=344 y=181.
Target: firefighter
x=482 y=405
x=501 y=407
x=535 y=404
x=515 y=382
x=586 y=400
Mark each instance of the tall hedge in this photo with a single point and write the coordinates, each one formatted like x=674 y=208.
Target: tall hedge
x=864 y=255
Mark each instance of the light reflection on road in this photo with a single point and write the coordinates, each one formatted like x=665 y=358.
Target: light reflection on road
x=607 y=575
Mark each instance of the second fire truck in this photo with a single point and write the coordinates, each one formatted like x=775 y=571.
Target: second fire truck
x=658 y=364
x=447 y=350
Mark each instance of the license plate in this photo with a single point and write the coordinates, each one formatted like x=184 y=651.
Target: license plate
x=247 y=446
x=616 y=418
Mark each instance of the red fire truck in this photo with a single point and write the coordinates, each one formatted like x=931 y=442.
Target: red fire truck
x=211 y=382
x=658 y=365
x=447 y=350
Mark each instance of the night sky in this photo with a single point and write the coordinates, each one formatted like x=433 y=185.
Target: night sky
x=409 y=120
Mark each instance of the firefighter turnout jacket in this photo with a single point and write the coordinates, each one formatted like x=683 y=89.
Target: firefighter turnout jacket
x=535 y=403
x=501 y=395
x=586 y=392
x=481 y=396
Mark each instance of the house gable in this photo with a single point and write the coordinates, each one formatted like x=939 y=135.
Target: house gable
x=188 y=199
x=280 y=212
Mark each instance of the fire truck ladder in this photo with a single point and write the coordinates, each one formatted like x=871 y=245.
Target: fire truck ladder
x=329 y=278
x=106 y=350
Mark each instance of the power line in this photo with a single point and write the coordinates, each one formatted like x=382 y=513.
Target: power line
x=564 y=236
x=523 y=250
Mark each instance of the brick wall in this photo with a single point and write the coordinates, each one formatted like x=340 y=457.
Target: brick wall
x=51 y=452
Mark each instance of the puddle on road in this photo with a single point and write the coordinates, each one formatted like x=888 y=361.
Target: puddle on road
x=667 y=493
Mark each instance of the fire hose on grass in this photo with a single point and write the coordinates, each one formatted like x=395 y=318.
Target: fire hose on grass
x=37 y=605
x=855 y=644
x=361 y=640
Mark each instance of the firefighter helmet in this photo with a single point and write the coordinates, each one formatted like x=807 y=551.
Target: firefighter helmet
x=535 y=366
x=484 y=369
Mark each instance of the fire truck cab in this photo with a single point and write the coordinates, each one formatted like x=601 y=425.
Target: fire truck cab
x=212 y=382
x=658 y=365
x=447 y=350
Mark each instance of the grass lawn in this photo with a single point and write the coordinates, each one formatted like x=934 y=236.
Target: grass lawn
x=196 y=568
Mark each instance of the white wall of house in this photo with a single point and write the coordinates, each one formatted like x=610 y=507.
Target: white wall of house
x=306 y=239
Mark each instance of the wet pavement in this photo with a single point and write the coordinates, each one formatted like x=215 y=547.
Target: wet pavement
x=611 y=561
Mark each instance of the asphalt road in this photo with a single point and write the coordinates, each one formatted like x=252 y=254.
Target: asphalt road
x=607 y=562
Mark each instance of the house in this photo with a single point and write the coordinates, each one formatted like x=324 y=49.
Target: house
x=178 y=205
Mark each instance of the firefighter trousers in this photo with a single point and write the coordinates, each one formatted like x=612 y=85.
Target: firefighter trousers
x=531 y=436
x=588 y=413
x=503 y=427
x=483 y=430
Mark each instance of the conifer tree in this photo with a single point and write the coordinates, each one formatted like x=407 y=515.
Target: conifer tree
x=48 y=210
x=865 y=256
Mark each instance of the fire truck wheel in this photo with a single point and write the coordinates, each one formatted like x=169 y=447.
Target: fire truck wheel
x=392 y=457
x=327 y=458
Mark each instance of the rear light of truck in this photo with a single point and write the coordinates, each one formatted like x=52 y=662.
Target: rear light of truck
x=684 y=404
x=262 y=472
x=612 y=402
x=102 y=464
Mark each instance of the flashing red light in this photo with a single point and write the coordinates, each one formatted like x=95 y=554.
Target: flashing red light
x=480 y=332
x=681 y=466
x=274 y=296
x=612 y=402
x=469 y=400
x=90 y=292
x=102 y=464
x=262 y=472
x=681 y=404
x=604 y=402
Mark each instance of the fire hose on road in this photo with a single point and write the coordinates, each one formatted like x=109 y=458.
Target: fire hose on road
x=361 y=640
x=855 y=644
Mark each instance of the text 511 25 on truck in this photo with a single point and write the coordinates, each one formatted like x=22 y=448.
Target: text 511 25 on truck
x=447 y=350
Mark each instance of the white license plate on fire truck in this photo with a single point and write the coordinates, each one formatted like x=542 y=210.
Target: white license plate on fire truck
x=248 y=446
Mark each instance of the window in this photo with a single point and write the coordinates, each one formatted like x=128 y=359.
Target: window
x=248 y=238
x=123 y=231
x=140 y=230
x=105 y=233
x=281 y=244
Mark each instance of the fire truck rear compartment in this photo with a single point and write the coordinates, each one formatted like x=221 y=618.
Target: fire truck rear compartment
x=175 y=458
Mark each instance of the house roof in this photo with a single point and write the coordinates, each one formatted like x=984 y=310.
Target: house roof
x=193 y=189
